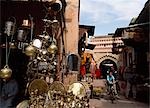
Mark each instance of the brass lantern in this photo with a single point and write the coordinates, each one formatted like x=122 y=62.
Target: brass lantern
x=30 y=50
x=6 y=72
x=52 y=48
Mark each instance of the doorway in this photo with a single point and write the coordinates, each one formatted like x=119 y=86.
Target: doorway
x=105 y=67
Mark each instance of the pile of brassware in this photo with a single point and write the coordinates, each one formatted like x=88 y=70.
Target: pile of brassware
x=43 y=91
x=55 y=95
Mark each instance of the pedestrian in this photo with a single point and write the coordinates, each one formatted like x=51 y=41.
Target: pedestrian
x=82 y=71
x=111 y=82
x=134 y=85
x=130 y=78
x=98 y=73
x=92 y=69
x=91 y=88
x=116 y=76
x=9 y=90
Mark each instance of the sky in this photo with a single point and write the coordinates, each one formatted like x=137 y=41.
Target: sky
x=108 y=15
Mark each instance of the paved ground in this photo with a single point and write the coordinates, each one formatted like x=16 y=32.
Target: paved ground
x=120 y=103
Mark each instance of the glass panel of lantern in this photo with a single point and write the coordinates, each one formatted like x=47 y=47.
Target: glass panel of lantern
x=73 y=62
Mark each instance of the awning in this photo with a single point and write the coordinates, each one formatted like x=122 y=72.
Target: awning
x=90 y=46
x=88 y=51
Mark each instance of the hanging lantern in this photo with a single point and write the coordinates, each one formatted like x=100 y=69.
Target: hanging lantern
x=52 y=48
x=9 y=28
x=56 y=6
x=30 y=50
x=6 y=72
x=12 y=45
x=22 y=34
x=37 y=43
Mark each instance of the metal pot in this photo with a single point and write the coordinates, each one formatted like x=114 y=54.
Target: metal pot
x=52 y=48
x=30 y=50
x=6 y=72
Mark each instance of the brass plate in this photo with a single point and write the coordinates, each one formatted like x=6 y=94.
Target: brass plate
x=39 y=84
x=57 y=87
x=23 y=104
x=78 y=89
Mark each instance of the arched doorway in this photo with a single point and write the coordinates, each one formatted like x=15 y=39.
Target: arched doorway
x=105 y=66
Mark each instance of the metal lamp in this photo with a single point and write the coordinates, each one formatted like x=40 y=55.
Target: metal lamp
x=30 y=50
x=6 y=72
x=52 y=48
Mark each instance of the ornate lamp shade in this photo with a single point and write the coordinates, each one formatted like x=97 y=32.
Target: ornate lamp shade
x=37 y=43
x=30 y=50
x=57 y=5
x=52 y=48
x=6 y=72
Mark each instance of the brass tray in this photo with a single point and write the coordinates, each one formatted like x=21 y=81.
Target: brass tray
x=38 y=84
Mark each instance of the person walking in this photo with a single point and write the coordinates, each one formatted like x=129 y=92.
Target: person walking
x=98 y=73
x=116 y=76
x=130 y=78
x=111 y=82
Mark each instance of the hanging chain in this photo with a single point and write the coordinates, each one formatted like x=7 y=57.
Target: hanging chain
x=6 y=51
x=9 y=49
x=31 y=19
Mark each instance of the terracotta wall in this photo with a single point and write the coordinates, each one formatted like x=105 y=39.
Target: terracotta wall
x=72 y=26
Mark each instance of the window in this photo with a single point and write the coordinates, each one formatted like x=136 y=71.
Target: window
x=73 y=62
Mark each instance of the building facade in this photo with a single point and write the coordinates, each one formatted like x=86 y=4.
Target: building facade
x=136 y=40
x=103 y=49
x=103 y=53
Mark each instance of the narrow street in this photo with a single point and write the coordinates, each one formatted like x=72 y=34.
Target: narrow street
x=104 y=101
x=74 y=53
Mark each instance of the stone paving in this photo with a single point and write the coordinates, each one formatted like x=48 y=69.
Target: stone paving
x=120 y=103
x=102 y=103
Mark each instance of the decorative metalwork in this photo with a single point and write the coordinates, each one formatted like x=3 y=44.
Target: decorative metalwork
x=39 y=86
x=6 y=72
x=74 y=97
x=23 y=104
x=44 y=91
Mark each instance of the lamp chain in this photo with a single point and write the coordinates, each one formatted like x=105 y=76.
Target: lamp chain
x=9 y=49
x=6 y=51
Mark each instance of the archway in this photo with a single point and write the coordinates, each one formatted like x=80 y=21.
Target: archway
x=105 y=66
